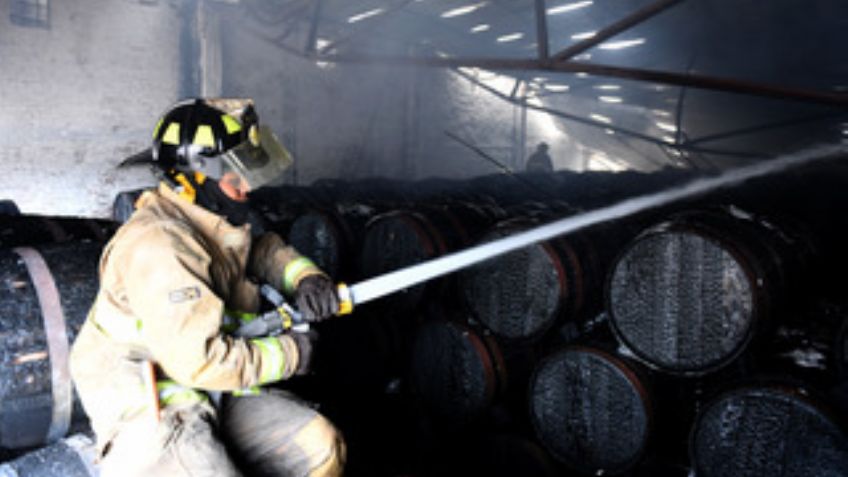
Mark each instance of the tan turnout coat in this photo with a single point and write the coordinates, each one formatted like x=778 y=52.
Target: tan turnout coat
x=166 y=279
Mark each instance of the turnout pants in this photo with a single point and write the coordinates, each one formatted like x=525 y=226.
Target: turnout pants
x=271 y=434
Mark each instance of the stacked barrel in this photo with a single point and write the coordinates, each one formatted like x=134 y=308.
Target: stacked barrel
x=48 y=272
x=467 y=343
x=74 y=456
x=619 y=349
x=457 y=371
x=768 y=430
x=700 y=298
x=616 y=348
x=592 y=409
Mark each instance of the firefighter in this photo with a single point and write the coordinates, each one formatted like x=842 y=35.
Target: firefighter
x=540 y=161
x=153 y=352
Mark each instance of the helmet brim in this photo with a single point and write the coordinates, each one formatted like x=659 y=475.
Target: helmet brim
x=143 y=158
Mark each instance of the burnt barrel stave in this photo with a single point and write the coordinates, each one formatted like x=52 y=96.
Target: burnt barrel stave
x=401 y=238
x=457 y=372
x=330 y=237
x=772 y=430
x=523 y=294
x=42 y=307
x=592 y=410
x=74 y=456
x=22 y=230
x=689 y=295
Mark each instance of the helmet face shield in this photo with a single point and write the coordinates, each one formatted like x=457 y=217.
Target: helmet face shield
x=211 y=167
x=259 y=161
x=222 y=139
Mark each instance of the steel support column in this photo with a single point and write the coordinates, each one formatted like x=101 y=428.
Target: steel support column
x=312 y=39
x=542 y=30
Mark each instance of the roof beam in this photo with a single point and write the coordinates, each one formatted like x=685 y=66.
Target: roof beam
x=729 y=85
x=614 y=29
x=663 y=77
x=795 y=121
x=614 y=128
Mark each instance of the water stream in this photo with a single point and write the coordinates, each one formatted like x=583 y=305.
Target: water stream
x=391 y=282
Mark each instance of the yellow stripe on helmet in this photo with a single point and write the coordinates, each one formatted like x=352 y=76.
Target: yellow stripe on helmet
x=156 y=129
x=172 y=135
x=204 y=136
x=231 y=124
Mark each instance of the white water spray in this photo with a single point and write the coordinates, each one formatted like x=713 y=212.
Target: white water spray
x=404 y=278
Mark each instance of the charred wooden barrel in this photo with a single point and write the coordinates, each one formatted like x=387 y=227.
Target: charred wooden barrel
x=9 y=208
x=462 y=223
x=456 y=371
x=402 y=238
x=591 y=410
x=329 y=238
x=688 y=295
x=34 y=229
x=522 y=294
x=664 y=469
x=44 y=300
x=808 y=346
x=367 y=354
x=768 y=431
x=507 y=455
x=396 y=240
x=71 y=457
x=842 y=350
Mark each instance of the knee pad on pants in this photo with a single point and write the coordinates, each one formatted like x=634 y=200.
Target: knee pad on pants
x=277 y=434
x=324 y=446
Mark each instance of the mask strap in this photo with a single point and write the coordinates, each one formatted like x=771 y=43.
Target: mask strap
x=184 y=187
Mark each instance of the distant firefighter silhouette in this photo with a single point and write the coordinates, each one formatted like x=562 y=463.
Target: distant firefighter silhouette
x=540 y=161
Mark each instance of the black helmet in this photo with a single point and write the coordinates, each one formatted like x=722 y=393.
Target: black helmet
x=216 y=137
x=193 y=132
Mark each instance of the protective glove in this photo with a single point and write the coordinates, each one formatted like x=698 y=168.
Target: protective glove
x=306 y=344
x=316 y=298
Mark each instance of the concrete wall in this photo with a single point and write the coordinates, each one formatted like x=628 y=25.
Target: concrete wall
x=79 y=94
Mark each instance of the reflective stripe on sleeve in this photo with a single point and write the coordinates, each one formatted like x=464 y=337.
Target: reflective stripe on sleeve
x=232 y=320
x=273 y=359
x=242 y=316
x=171 y=393
x=294 y=270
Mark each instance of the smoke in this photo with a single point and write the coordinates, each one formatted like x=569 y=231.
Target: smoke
x=83 y=89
